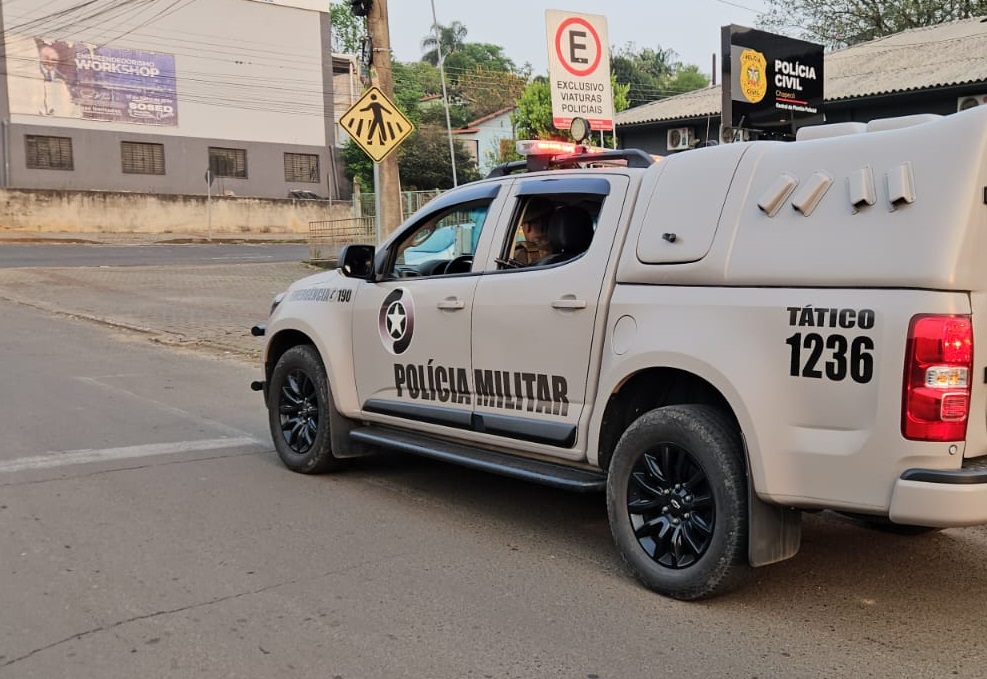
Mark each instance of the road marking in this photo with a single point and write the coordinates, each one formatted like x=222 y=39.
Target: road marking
x=99 y=382
x=69 y=457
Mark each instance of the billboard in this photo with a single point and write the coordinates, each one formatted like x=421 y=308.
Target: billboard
x=60 y=79
x=769 y=80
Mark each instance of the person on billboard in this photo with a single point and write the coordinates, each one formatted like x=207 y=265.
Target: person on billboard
x=55 y=98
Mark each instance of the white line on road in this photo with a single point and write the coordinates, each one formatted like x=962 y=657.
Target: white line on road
x=68 y=457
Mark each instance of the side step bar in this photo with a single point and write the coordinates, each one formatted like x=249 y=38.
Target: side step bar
x=546 y=473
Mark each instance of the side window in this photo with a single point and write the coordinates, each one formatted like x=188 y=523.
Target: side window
x=550 y=229
x=442 y=243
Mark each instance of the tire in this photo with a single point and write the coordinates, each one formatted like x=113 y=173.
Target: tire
x=677 y=502
x=301 y=411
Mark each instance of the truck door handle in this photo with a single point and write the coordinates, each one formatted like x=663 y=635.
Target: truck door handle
x=569 y=303
x=451 y=303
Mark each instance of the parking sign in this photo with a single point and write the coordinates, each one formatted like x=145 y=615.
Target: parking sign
x=579 y=69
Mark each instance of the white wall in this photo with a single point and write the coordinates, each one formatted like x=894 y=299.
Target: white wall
x=246 y=70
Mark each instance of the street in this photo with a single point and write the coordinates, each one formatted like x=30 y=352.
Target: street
x=147 y=529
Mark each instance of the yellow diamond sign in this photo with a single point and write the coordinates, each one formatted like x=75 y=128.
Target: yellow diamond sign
x=376 y=125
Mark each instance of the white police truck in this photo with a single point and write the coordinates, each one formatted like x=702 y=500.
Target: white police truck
x=719 y=340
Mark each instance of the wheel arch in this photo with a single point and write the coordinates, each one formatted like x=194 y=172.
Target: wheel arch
x=774 y=531
x=650 y=388
x=281 y=342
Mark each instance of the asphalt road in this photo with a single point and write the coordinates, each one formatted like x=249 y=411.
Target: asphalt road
x=20 y=255
x=147 y=529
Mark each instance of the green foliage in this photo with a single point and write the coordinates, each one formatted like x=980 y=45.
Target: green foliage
x=621 y=101
x=488 y=90
x=435 y=114
x=348 y=31
x=533 y=117
x=424 y=161
x=687 y=79
x=840 y=23
x=477 y=55
x=450 y=38
x=408 y=91
x=423 y=75
x=359 y=166
x=653 y=74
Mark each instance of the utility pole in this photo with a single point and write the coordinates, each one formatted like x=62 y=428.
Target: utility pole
x=445 y=97
x=386 y=174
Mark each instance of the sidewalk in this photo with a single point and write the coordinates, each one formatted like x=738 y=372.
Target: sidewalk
x=8 y=236
x=210 y=307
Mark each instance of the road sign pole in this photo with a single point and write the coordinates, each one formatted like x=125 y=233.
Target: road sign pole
x=378 y=222
x=208 y=204
x=388 y=185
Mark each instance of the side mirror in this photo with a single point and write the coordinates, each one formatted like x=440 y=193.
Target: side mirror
x=357 y=261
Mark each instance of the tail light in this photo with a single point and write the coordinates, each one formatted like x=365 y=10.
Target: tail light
x=938 y=365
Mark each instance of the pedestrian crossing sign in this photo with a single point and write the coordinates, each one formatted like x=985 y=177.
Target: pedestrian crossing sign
x=376 y=125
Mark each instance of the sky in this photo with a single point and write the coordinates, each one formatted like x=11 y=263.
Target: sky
x=689 y=27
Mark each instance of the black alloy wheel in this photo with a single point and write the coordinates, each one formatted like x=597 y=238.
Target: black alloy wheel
x=298 y=408
x=677 y=501
x=301 y=413
x=671 y=507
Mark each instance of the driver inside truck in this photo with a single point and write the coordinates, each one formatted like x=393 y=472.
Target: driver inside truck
x=534 y=230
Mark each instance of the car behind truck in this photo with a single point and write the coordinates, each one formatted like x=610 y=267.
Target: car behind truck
x=719 y=340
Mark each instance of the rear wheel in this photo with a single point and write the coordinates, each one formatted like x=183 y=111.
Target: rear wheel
x=300 y=411
x=677 y=501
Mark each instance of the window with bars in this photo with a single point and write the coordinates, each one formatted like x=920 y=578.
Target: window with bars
x=228 y=162
x=301 y=167
x=142 y=158
x=48 y=153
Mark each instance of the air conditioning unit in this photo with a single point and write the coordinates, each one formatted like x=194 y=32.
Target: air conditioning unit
x=971 y=100
x=679 y=139
x=732 y=134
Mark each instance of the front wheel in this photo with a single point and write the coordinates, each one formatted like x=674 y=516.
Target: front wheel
x=300 y=410
x=677 y=501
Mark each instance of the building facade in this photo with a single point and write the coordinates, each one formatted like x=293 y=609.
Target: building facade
x=162 y=97
x=485 y=137
x=938 y=69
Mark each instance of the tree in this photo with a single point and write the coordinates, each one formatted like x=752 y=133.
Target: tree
x=348 y=31
x=359 y=166
x=424 y=161
x=652 y=74
x=687 y=79
x=840 y=23
x=486 y=90
x=533 y=118
x=423 y=75
x=450 y=38
x=472 y=55
x=408 y=91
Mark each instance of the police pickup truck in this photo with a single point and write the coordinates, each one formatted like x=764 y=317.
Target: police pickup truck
x=719 y=340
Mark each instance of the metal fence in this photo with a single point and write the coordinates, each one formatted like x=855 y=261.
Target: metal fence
x=326 y=238
x=411 y=202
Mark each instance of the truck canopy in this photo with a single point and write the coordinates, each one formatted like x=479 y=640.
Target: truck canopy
x=899 y=202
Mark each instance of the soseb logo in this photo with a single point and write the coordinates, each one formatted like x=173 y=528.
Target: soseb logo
x=753 y=75
x=396 y=321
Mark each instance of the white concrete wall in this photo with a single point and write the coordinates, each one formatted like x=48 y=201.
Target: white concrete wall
x=107 y=212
